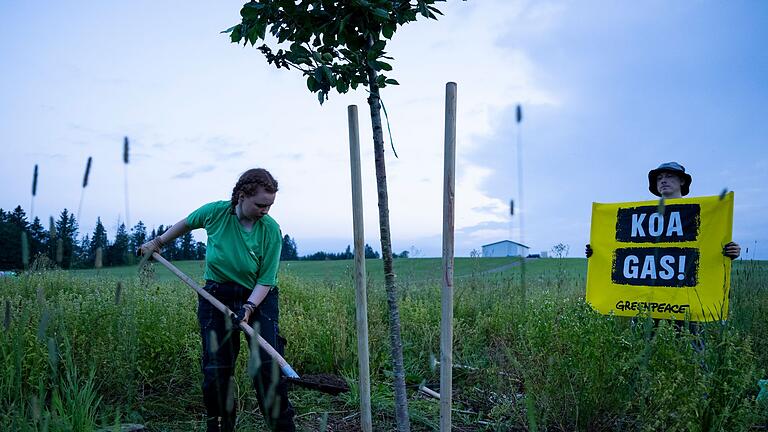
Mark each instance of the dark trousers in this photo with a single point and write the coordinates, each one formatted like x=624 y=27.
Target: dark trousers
x=221 y=344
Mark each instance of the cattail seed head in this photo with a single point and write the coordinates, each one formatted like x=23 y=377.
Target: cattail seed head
x=45 y=321
x=41 y=297
x=7 y=316
x=35 y=405
x=87 y=172
x=97 y=262
x=125 y=150
x=51 y=227
x=118 y=292
x=519 y=113
x=59 y=250
x=34 y=182
x=24 y=249
x=53 y=355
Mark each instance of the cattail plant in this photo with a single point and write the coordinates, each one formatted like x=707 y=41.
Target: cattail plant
x=519 y=121
x=118 y=292
x=98 y=259
x=59 y=250
x=41 y=297
x=53 y=357
x=125 y=171
x=45 y=323
x=7 y=316
x=34 y=192
x=51 y=234
x=85 y=183
x=24 y=249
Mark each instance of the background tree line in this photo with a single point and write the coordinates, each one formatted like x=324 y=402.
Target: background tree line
x=24 y=243
x=290 y=253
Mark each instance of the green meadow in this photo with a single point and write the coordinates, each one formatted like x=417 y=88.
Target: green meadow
x=90 y=349
x=411 y=270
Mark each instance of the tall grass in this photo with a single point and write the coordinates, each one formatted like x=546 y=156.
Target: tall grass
x=132 y=350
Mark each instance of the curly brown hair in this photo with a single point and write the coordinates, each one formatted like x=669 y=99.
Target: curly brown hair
x=250 y=182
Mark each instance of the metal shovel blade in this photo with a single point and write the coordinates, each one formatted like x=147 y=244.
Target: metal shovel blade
x=330 y=384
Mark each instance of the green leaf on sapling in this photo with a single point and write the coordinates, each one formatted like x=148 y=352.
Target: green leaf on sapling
x=388 y=30
x=435 y=10
x=235 y=36
x=229 y=30
x=299 y=49
x=380 y=13
x=312 y=84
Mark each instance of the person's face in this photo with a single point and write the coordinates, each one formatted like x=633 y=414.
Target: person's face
x=669 y=185
x=255 y=206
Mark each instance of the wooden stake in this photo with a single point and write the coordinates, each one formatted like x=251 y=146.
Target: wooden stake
x=446 y=319
x=361 y=301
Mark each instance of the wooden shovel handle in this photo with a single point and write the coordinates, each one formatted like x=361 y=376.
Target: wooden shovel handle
x=287 y=369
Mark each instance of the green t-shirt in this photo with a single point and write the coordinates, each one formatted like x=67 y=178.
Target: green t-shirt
x=235 y=254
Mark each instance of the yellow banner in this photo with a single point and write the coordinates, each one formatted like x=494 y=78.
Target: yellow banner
x=663 y=258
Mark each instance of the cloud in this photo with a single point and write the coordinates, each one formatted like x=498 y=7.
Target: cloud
x=231 y=155
x=53 y=156
x=192 y=173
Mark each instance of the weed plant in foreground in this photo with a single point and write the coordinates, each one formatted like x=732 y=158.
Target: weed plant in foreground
x=84 y=353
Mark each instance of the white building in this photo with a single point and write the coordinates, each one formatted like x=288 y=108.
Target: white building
x=505 y=248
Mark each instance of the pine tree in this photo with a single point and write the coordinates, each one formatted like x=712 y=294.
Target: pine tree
x=98 y=240
x=370 y=253
x=138 y=236
x=289 y=251
x=18 y=218
x=200 y=251
x=10 y=253
x=66 y=231
x=38 y=236
x=186 y=248
x=83 y=258
x=118 y=250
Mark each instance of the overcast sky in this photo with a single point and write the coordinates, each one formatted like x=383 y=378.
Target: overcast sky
x=609 y=90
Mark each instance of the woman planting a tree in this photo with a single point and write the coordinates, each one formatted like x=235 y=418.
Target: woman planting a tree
x=241 y=262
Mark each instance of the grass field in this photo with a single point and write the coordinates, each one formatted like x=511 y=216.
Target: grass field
x=81 y=351
x=408 y=270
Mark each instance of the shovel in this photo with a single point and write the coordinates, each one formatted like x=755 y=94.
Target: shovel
x=322 y=383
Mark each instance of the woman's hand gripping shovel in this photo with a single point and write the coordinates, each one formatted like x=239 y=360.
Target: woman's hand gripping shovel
x=289 y=372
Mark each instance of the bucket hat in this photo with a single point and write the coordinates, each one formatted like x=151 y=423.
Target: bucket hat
x=670 y=167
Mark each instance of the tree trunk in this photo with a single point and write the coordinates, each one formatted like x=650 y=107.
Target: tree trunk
x=401 y=402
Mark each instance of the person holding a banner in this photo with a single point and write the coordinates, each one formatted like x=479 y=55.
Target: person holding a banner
x=671 y=181
x=670 y=257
